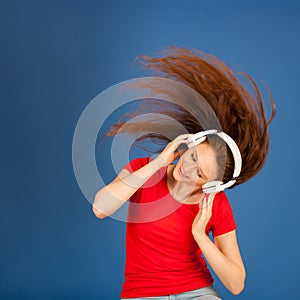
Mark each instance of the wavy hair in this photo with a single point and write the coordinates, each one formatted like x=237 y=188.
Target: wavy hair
x=240 y=110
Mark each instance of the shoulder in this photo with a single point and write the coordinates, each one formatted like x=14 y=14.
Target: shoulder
x=221 y=200
x=222 y=216
x=221 y=206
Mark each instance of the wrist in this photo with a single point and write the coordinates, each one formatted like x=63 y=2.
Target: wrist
x=200 y=238
x=157 y=163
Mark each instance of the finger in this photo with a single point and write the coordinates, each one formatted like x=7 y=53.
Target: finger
x=176 y=154
x=203 y=201
x=182 y=138
x=203 y=208
x=175 y=144
x=179 y=142
x=212 y=197
x=208 y=199
x=210 y=205
x=197 y=218
x=211 y=200
x=198 y=215
x=207 y=205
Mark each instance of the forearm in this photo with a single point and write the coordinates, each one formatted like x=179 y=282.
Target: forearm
x=228 y=272
x=114 y=195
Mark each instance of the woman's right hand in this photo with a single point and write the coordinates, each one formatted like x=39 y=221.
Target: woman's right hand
x=168 y=155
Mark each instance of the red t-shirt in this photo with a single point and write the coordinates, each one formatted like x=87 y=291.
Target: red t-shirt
x=162 y=256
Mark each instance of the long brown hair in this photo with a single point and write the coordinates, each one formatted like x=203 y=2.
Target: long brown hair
x=241 y=114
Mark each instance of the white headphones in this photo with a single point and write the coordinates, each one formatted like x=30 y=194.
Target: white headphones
x=218 y=186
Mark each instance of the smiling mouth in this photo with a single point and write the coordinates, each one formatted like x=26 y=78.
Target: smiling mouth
x=181 y=172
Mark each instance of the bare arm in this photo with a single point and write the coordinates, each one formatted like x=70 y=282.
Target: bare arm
x=224 y=257
x=114 y=195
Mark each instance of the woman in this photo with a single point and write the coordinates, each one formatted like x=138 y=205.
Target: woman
x=169 y=215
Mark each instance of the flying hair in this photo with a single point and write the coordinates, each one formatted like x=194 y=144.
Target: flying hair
x=240 y=110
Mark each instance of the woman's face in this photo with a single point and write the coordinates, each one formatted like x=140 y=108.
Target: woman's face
x=196 y=166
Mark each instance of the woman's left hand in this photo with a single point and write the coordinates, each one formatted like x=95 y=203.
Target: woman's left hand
x=203 y=216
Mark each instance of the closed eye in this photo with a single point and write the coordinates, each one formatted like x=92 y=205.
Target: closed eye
x=193 y=157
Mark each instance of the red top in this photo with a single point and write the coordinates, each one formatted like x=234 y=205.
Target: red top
x=162 y=256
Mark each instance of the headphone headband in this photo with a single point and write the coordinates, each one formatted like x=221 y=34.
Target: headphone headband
x=217 y=186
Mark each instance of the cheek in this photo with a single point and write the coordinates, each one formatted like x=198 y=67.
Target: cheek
x=201 y=181
x=178 y=164
x=175 y=172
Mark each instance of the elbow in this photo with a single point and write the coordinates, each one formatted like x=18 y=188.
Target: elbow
x=237 y=287
x=97 y=213
x=236 y=290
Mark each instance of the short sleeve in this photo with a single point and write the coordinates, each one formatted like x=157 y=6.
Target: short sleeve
x=137 y=163
x=222 y=215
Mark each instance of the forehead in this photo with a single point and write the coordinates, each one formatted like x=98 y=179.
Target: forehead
x=204 y=151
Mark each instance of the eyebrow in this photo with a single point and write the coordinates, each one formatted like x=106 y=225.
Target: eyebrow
x=201 y=172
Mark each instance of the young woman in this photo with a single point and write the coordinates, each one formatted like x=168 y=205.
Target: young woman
x=169 y=215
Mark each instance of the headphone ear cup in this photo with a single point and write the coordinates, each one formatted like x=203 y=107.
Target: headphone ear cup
x=212 y=187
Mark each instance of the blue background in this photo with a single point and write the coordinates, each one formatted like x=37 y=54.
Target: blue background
x=56 y=56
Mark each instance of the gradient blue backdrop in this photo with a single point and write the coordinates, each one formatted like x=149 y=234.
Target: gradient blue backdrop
x=55 y=57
